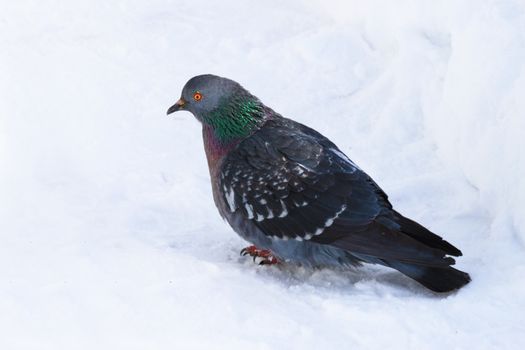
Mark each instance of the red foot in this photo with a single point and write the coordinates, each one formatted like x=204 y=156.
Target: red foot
x=261 y=256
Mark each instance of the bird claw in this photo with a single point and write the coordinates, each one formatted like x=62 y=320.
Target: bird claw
x=251 y=250
x=260 y=256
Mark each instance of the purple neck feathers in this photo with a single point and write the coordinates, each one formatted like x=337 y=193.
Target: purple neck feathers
x=215 y=149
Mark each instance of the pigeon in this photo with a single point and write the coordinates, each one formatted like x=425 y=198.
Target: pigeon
x=298 y=199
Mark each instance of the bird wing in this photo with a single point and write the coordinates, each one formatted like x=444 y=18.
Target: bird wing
x=293 y=183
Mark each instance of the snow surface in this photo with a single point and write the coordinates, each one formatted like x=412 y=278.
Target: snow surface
x=109 y=236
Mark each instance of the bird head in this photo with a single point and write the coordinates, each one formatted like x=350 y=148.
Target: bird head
x=203 y=94
x=222 y=104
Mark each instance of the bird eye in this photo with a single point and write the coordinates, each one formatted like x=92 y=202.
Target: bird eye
x=197 y=96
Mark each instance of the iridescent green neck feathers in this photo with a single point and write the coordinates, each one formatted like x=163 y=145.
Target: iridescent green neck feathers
x=236 y=118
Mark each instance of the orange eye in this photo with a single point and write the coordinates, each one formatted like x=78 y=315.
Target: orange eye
x=197 y=96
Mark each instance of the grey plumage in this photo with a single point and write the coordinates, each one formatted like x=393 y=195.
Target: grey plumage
x=284 y=187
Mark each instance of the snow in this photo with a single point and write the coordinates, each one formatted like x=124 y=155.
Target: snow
x=109 y=236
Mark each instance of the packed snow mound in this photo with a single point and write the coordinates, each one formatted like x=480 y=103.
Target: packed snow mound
x=110 y=238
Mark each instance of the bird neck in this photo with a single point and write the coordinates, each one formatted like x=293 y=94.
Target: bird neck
x=214 y=147
x=236 y=118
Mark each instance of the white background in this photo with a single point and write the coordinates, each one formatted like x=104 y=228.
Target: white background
x=109 y=238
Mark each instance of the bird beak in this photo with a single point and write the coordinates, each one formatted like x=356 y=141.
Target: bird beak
x=177 y=106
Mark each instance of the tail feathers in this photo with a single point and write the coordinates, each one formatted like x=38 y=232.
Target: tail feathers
x=423 y=235
x=437 y=279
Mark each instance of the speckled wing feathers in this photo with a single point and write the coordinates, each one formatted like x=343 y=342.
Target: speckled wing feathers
x=293 y=183
x=288 y=183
